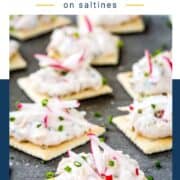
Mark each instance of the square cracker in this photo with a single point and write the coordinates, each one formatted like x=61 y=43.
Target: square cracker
x=147 y=145
x=17 y=62
x=40 y=29
x=49 y=153
x=125 y=79
x=25 y=85
x=133 y=26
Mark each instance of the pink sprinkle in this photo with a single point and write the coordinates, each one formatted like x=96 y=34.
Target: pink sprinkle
x=109 y=177
x=131 y=107
x=88 y=24
x=168 y=60
x=19 y=106
x=148 y=56
x=46 y=121
x=137 y=171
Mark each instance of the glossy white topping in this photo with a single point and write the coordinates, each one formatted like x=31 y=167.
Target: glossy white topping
x=47 y=124
x=69 y=40
x=103 y=161
x=153 y=76
x=152 y=116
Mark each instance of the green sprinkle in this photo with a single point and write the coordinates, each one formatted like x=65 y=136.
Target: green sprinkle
x=156 y=52
x=110 y=118
x=158 y=164
x=102 y=139
x=111 y=163
x=153 y=106
x=149 y=177
x=12 y=29
x=140 y=111
x=84 y=157
x=97 y=115
x=53 y=18
x=64 y=73
x=68 y=169
x=169 y=24
x=38 y=125
x=146 y=74
x=61 y=118
x=44 y=102
x=77 y=164
x=104 y=81
x=76 y=35
x=120 y=43
x=12 y=119
x=11 y=17
x=49 y=174
x=61 y=128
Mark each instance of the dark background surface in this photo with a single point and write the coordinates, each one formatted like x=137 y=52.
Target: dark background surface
x=157 y=34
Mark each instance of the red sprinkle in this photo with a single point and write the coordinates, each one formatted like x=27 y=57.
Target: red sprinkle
x=159 y=114
x=137 y=171
x=108 y=177
x=131 y=107
x=148 y=56
x=46 y=121
x=19 y=106
x=88 y=23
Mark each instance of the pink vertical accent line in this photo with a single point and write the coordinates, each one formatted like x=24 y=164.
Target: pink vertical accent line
x=88 y=24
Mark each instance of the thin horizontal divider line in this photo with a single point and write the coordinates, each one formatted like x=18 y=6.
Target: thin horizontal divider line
x=45 y=5
x=134 y=5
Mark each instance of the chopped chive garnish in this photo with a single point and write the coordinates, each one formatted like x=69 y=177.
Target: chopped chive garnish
x=104 y=81
x=61 y=118
x=76 y=35
x=38 y=125
x=146 y=74
x=156 y=52
x=97 y=114
x=158 y=164
x=12 y=29
x=110 y=118
x=49 y=174
x=102 y=139
x=84 y=157
x=68 y=169
x=153 y=106
x=169 y=24
x=12 y=119
x=44 y=102
x=120 y=43
x=149 y=177
x=64 y=73
x=140 y=111
x=111 y=163
x=77 y=164
x=60 y=128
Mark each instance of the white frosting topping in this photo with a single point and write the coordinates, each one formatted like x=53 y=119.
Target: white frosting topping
x=69 y=40
x=99 y=164
x=110 y=19
x=13 y=47
x=47 y=125
x=25 y=22
x=158 y=81
x=152 y=117
x=55 y=83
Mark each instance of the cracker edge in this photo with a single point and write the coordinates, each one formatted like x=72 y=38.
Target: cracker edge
x=39 y=30
x=17 y=62
x=124 y=79
x=143 y=143
x=89 y=93
x=54 y=151
x=135 y=25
